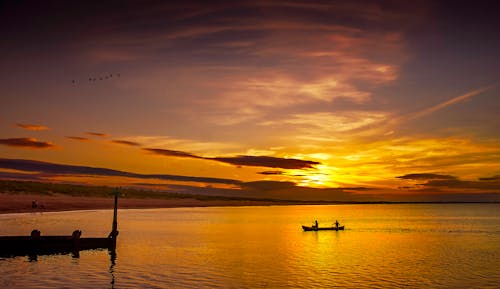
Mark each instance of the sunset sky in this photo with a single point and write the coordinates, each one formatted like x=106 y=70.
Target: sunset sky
x=313 y=100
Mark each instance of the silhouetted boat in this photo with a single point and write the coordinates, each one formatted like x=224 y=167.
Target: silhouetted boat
x=312 y=228
x=36 y=244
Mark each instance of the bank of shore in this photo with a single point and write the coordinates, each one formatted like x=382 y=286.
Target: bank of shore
x=22 y=203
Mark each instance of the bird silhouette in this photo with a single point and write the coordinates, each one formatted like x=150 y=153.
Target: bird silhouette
x=96 y=78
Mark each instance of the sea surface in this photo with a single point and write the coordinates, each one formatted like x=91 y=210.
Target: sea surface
x=383 y=246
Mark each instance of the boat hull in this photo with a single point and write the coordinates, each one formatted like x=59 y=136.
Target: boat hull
x=306 y=228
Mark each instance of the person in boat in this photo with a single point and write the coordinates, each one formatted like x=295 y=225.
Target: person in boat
x=337 y=223
x=315 y=224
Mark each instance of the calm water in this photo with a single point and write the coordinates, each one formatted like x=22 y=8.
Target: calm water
x=384 y=246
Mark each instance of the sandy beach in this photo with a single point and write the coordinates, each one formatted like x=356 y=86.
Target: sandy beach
x=21 y=203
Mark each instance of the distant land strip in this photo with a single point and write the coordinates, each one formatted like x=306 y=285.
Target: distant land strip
x=17 y=197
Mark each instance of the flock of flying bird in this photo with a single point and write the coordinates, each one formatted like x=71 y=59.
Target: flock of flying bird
x=100 y=78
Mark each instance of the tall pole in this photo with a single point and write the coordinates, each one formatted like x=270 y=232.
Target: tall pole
x=114 y=230
x=115 y=213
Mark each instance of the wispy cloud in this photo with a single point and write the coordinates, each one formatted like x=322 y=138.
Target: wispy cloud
x=426 y=176
x=173 y=153
x=449 y=102
x=32 y=143
x=443 y=188
x=463 y=184
x=271 y=172
x=61 y=169
x=493 y=178
x=20 y=176
x=385 y=123
x=438 y=182
x=245 y=65
x=265 y=161
x=186 y=144
x=99 y=134
x=329 y=123
x=242 y=160
x=78 y=138
x=32 y=126
x=126 y=142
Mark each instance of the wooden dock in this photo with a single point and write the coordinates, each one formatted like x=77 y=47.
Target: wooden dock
x=37 y=244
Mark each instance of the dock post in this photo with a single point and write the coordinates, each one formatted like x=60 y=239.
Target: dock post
x=114 y=230
x=115 y=213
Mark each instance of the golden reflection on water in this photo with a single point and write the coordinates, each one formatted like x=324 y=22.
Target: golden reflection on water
x=416 y=246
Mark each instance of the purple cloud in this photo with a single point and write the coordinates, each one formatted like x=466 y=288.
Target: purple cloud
x=438 y=181
x=61 y=169
x=172 y=153
x=264 y=161
x=126 y=142
x=493 y=178
x=99 y=134
x=25 y=142
x=271 y=173
x=426 y=176
x=78 y=138
x=242 y=160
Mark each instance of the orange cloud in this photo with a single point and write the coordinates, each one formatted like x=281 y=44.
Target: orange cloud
x=31 y=126
x=326 y=123
x=26 y=143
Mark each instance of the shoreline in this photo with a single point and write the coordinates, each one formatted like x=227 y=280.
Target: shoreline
x=22 y=203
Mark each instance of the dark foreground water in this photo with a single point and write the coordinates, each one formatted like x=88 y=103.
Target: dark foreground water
x=383 y=246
